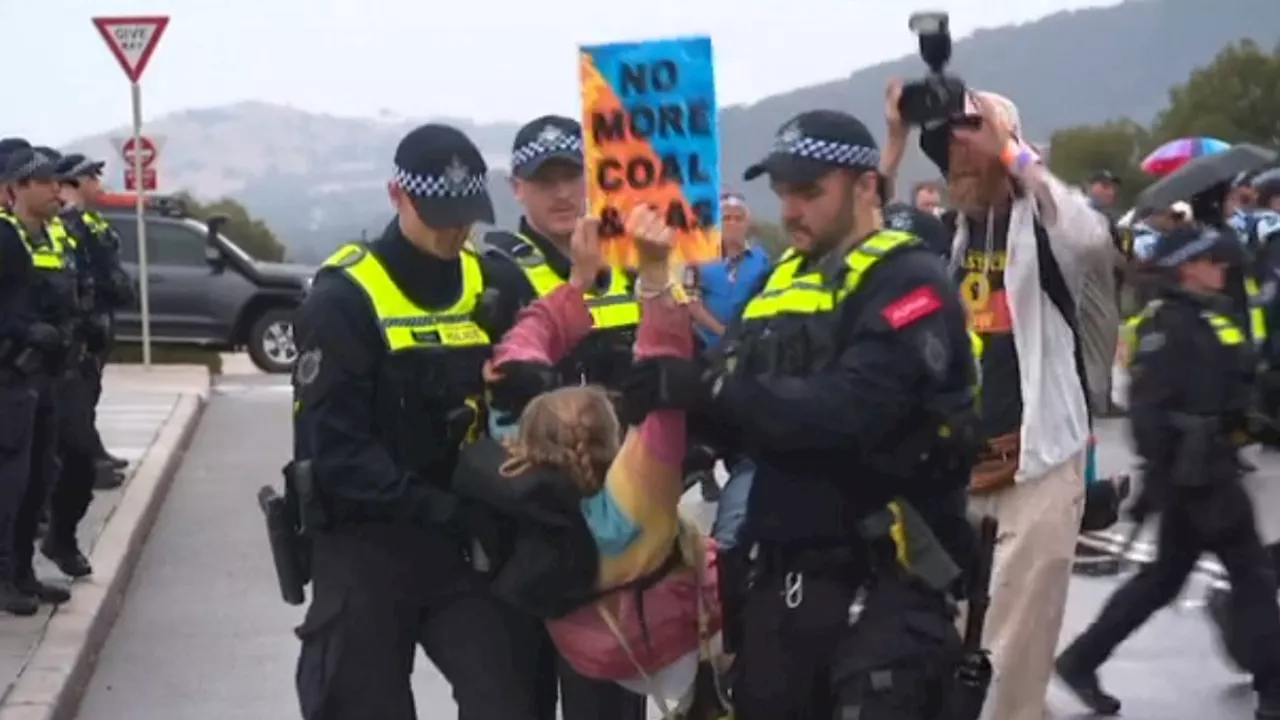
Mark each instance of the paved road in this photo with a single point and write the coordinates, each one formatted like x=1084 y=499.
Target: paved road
x=203 y=635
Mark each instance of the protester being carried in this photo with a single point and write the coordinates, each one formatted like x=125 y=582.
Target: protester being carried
x=646 y=611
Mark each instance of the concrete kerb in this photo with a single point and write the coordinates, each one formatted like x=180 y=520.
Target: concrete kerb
x=53 y=682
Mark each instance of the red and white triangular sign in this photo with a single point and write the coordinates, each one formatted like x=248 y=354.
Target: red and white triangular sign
x=132 y=40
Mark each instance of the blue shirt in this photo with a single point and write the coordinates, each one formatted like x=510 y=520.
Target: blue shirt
x=727 y=287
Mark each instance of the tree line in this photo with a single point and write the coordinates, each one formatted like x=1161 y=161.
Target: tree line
x=1235 y=98
x=249 y=233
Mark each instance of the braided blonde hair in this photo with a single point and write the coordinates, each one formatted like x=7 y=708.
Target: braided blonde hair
x=573 y=430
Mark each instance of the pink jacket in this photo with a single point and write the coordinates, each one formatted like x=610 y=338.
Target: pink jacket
x=644 y=484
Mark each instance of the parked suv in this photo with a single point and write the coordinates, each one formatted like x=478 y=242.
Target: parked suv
x=204 y=290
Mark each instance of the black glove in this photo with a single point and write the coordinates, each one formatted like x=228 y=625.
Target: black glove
x=45 y=337
x=520 y=383
x=664 y=383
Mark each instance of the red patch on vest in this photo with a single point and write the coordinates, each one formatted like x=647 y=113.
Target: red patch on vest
x=919 y=303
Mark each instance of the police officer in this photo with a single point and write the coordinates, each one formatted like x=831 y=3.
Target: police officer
x=386 y=386
x=80 y=445
x=849 y=382
x=547 y=176
x=113 y=289
x=33 y=348
x=1191 y=381
x=546 y=169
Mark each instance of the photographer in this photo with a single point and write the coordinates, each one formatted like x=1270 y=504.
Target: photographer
x=1021 y=237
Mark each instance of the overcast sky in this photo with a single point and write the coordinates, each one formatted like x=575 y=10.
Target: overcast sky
x=481 y=59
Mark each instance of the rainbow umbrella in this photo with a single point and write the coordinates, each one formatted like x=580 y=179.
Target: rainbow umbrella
x=1176 y=153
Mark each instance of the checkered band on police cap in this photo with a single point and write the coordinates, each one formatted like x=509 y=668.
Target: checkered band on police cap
x=458 y=181
x=548 y=143
x=792 y=141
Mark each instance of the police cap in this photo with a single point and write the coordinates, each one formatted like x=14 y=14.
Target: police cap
x=550 y=138
x=814 y=143
x=1189 y=243
x=924 y=225
x=28 y=164
x=8 y=146
x=443 y=172
x=1266 y=184
x=75 y=166
x=49 y=152
x=1104 y=176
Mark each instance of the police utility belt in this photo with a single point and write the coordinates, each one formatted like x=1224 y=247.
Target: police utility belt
x=790 y=330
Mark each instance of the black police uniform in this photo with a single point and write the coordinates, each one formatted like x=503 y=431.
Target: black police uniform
x=928 y=227
x=78 y=442
x=602 y=358
x=387 y=383
x=1189 y=393
x=35 y=297
x=113 y=290
x=843 y=375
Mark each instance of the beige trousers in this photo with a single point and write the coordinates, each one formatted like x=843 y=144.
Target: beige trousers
x=1039 y=521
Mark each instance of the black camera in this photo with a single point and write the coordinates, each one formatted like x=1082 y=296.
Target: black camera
x=936 y=99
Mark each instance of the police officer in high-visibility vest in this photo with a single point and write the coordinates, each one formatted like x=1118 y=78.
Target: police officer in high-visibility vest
x=1191 y=379
x=80 y=446
x=850 y=381
x=113 y=288
x=34 y=345
x=546 y=168
x=387 y=385
x=547 y=175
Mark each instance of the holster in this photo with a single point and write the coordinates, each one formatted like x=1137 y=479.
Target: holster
x=287 y=535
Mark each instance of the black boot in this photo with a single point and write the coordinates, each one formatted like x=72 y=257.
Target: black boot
x=67 y=556
x=16 y=602
x=43 y=592
x=1083 y=683
x=1092 y=562
x=1218 y=606
x=115 y=463
x=107 y=478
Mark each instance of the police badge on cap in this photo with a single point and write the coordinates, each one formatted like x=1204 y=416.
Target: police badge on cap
x=543 y=140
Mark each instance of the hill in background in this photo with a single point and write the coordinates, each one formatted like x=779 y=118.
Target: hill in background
x=319 y=180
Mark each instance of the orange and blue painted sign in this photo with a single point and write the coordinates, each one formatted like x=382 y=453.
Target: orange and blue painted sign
x=651 y=136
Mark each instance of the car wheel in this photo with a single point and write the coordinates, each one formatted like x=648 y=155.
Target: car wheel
x=271 y=341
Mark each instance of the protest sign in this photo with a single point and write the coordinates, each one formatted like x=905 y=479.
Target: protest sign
x=651 y=136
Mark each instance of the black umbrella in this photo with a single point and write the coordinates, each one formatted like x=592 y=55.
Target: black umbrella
x=1202 y=174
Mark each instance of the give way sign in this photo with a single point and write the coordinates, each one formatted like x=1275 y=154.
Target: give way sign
x=132 y=40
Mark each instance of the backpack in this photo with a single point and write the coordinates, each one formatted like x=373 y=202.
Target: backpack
x=1094 y=320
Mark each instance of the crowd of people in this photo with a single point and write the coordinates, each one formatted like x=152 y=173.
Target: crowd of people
x=493 y=435
x=60 y=285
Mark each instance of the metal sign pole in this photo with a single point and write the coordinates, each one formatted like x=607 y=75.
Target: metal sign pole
x=139 y=185
x=132 y=40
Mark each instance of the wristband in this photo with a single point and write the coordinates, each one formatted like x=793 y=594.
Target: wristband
x=672 y=288
x=1017 y=157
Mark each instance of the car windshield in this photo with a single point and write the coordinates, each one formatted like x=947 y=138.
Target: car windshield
x=226 y=241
